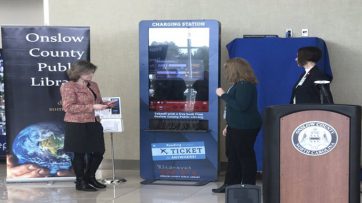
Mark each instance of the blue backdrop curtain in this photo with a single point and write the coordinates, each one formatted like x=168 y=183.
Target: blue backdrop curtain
x=273 y=60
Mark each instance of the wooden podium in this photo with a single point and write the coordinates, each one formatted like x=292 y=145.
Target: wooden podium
x=312 y=154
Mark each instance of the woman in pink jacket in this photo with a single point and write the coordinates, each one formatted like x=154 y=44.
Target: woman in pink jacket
x=83 y=132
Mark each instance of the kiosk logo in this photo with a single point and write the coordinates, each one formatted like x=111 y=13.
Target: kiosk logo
x=314 y=138
x=178 y=151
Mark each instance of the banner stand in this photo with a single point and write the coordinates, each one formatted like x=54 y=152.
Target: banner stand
x=41 y=55
x=113 y=180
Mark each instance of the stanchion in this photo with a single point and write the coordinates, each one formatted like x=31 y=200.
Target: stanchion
x=113 y=180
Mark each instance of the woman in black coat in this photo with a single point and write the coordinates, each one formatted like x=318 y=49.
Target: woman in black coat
x=306 y=90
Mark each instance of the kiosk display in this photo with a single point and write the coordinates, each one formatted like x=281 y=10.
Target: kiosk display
x=178 y=69
x=179 y=72
x=178 y=75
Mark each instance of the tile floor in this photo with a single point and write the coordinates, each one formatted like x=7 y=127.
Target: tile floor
x=129 y=192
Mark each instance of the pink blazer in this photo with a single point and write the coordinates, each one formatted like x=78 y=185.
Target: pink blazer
x=78 y=100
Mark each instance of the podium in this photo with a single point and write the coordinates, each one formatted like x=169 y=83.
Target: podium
x=312 y=154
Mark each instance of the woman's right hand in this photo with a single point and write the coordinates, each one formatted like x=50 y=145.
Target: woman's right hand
x=224 y=131
x=220 y=91
x=99 y=106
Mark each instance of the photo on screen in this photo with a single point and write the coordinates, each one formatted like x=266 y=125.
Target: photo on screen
x=178 y=60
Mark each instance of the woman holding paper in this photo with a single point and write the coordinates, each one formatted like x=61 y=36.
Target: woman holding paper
x=83 y=132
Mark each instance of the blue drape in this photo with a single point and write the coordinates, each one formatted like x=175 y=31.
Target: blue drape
x=273 y=61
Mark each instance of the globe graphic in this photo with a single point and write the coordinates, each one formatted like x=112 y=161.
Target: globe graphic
x=42 y=144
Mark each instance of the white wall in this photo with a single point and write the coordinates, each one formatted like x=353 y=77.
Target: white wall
x=114 y=40
x=21 y=12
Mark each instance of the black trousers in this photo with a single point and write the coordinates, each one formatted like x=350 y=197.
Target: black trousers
x=241 y=167
x=85 y=165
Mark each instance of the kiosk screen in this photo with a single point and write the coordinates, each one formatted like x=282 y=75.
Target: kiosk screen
x=178 y=69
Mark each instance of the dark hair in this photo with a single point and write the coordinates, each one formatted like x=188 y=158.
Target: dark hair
x=237 y=69
x=80 y=67
x=306 y=54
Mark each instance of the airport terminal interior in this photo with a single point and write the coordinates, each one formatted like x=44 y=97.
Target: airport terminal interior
x=140 y=48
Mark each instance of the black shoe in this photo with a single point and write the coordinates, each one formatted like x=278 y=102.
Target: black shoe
x=82 y=185
x=221 y=189
x=93 y=182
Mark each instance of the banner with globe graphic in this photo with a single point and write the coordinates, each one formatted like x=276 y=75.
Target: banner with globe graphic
x=35 y=63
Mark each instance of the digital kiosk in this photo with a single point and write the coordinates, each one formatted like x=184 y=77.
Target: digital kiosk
x=179 y=72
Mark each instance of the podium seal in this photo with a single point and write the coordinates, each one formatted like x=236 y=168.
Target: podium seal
x=314 y=138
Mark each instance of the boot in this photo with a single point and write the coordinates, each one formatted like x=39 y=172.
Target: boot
x=93 y=182
x=221 y=189
x=93 y=162
x=83 y=185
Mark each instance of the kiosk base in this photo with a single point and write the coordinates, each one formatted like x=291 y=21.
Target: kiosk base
x=174 y=182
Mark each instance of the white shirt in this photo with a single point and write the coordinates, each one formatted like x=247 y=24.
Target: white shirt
x=300 y=83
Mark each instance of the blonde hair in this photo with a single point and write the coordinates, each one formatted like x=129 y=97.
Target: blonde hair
x=80 y=67
x=237 y=69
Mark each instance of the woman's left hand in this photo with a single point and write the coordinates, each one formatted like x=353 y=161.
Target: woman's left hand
x=99 y=106
x=220 y=91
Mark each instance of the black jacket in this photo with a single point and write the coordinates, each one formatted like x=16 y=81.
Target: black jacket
x=309 y=92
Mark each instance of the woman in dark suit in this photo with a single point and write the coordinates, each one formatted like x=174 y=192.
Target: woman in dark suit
x=305 y=90
x=83 y=133
x=243 y=123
